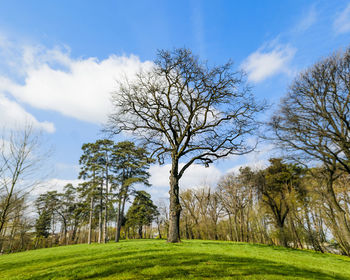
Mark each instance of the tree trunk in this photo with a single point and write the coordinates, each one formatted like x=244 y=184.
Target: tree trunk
x=90 y=219
x=140 y=231
x=7 y=203
x=105 y=225
x=175 y=207
x=158 y=226
x=65 y=234
x=117 y=233
x=282 y=235
x=230 y=225
x=100 y=216
x=120 y=217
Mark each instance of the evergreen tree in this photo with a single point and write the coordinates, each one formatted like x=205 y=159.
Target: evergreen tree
x=142 y=211
x=130 y=167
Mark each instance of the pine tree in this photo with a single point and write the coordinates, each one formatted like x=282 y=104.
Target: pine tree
x=142 y=211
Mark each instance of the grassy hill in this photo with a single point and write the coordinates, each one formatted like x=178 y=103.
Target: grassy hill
x=155 y=259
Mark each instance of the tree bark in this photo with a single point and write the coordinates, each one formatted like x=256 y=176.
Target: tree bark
x=158 y=226
x=100 y=227
x=282 y=235
x=175 y=207
x=105 y=225
x=65 y=233
x=90 y=219
x=120 y=217
x=140 y=231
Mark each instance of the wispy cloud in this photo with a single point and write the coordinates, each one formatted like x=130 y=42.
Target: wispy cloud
x=270 y=59
x=342 y=22
x=308 y=19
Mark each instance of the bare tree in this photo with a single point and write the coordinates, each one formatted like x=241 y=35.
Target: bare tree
x=19 y=162
x=188 y=112
x=314 y=122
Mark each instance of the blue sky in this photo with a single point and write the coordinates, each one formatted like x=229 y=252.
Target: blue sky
x=59 y=60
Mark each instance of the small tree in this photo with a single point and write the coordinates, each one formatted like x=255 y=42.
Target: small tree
x=186 y=111
x=142 y=211
x=43 y=224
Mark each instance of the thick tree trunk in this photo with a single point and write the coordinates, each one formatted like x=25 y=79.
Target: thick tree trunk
x=282 y=235
x=175 y=207
x=90 y=219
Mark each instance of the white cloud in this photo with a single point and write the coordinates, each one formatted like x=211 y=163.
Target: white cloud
x=54 y=184
x=51 y=79
x=267 y=61
x=13 y=116
x=194 y=176
x=342 y=22
x=257 y=165
x=257 y=159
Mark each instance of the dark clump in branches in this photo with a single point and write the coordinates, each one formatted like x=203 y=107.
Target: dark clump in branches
x=188 y=112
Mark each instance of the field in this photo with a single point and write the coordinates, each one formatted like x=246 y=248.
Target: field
x=156 y=259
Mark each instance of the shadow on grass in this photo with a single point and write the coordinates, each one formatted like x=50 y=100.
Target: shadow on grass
x=179 y=265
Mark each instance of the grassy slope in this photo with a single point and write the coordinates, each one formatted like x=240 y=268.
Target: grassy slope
x=155 y=259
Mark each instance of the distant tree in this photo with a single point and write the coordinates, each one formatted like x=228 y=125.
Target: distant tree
x=106 y=160
x=43 y=224
x=236 y=195
x=89 y=173
x=20 y=160
x=130 y=167
x=95 y=164
x=186 y=111
x=74 y=207
x=49 y=202
x=277 y=184
x=45 y=205
x=141 y=212
x=67 y=209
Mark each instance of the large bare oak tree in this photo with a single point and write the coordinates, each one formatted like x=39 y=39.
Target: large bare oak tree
x=187 y=112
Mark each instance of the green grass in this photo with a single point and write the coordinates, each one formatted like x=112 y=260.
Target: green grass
x=156 y=259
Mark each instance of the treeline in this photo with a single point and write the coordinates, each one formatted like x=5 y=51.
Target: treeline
x=67 y=218
x=94 y=211
x=283 y=204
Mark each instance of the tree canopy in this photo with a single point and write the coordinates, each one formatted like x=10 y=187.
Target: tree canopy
x=185 y=110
